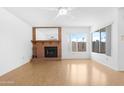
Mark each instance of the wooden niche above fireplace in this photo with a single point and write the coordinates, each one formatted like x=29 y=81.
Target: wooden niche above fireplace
x=46 y=43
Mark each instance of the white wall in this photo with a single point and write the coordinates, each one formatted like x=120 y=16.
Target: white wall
x=121 y=39
x=66 y=43
x=15 y=44
x=110 y=17
x=46 y=33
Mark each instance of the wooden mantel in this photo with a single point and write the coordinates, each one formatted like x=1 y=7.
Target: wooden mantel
x=45 y=41
x=39 y=45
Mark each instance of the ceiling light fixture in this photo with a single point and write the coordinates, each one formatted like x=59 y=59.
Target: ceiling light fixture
x=63 y=11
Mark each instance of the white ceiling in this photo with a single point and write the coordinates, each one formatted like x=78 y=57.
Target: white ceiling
x=46 y=16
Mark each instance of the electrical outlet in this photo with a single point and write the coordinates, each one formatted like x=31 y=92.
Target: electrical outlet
x=122 y=37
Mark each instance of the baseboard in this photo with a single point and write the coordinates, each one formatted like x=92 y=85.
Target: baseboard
x=76 y=58
x=115 y=69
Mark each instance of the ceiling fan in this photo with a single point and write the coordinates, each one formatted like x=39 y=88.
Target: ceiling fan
x=62 y=11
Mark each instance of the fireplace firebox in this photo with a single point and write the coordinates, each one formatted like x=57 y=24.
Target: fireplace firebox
x=50 y=51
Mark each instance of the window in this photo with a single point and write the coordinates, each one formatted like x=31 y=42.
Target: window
x=95 y=41
x=101 y=41
x=108 y=40
x=78 y=42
